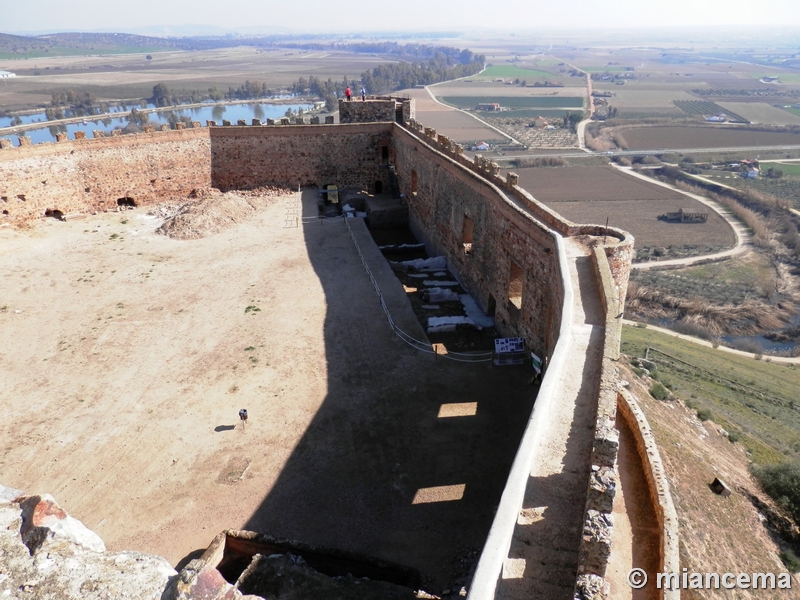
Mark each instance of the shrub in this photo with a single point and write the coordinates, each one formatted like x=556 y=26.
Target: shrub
x=704 y=414
x=782 y=483
x=790 y=560
x=659 y=392
x=637 y=371
x=734 y=436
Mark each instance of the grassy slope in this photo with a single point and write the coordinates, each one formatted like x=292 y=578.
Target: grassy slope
x=716 y=534
x=762 y=412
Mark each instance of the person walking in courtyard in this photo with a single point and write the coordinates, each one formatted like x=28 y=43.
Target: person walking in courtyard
x=348 y=93
x=243 y=417
x=363 y=94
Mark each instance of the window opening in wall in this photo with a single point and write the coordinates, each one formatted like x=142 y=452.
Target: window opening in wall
x=385 y=154
x=413 y=181
x=55 y=213
x=466 y=234
x=126 y=201
x=515 y=281
x=21 y=197
x=491 y=306
x=4 y=198
x=378 y=187
x=5 y=212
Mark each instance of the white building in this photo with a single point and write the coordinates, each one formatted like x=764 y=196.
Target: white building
x=7 y=74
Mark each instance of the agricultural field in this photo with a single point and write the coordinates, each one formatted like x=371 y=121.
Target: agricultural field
x=456 y=125
x=594 y=194
x=515 y=101
x=704 y=108
x=654 y=138
x=515 y=72
x=466 y=87
x=761 y=113
x=535 y=137
x=785 y=188
x=133 y=76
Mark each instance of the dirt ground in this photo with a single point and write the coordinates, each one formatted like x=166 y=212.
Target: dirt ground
x=594 y=194
x=456 y=125
x=717 y=534
x=650 y=138
x=126 y=357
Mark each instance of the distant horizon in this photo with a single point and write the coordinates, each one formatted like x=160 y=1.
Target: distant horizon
x=786 y=34
x=348 y=17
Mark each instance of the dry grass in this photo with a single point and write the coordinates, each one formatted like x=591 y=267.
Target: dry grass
x=749 y=317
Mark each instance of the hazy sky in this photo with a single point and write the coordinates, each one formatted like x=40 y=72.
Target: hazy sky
x=346 y=16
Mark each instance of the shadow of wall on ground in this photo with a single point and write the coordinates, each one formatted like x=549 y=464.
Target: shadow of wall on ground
x=377 y=440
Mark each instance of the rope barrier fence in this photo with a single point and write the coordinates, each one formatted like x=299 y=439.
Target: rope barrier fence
x=420 y=345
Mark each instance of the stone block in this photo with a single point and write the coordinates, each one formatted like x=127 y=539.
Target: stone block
x=180 y=125
x=270 y=121
x=329 y=120
x=598 y=529
x=6 y=143
x=241 y=123
x=256 y=122
x=284 y=121
x=512 y=179
x=196 y=125
x=81 y=135
x=211 y=123
x=602 y=489
x=720 y=487
x=315 y=120
x=25 y=141
x=60 y=137
x=165 y=127
x=149 y=128
x=98 y=133
x=116 y=132
x=226 y=123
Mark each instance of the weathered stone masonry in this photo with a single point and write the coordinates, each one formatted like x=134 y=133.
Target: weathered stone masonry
x=93 y=174
x=447 y=194
x=444 y=190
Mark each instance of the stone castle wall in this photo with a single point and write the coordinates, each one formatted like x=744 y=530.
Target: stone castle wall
x=305 y=155
x=441 y=195
x=93 y=174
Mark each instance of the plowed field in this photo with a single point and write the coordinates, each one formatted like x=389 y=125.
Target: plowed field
x=592 y=194
x=654 y=138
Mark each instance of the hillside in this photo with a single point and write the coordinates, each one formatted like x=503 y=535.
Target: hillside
x=717 y=534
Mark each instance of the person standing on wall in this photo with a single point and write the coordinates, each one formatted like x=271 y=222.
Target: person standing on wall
x=363 y=94
x=348 y=93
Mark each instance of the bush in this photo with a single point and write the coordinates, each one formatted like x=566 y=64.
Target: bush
x=734 y=436
x=637 y=371
x=659 y=392
x=782 y=483
x=790 y=560
x=704 y=414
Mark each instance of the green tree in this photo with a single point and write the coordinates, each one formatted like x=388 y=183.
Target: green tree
x=161 y=95
x=138 y=117
x=782 y=483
